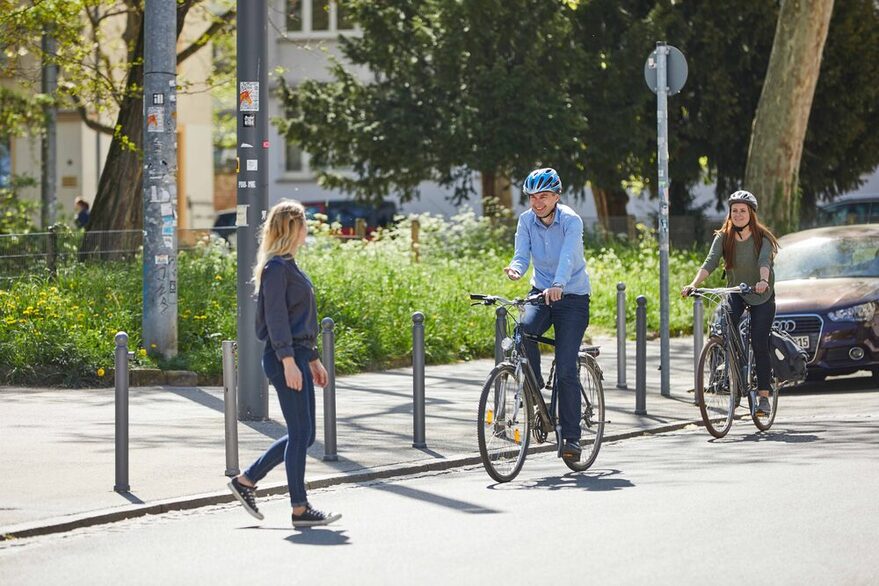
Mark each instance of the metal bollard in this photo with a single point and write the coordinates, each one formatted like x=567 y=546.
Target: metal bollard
x=122 y=413
x=641 y=356
x=698 y=320
x=418 y=379
x=621 y=336
x=500 y=332
x=230 y=406
x=328 y=337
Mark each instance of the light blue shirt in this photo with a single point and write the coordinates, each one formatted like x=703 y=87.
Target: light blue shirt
x=556 y=250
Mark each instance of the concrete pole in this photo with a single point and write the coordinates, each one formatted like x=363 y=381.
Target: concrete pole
x=662 y=161
x=253 y=144
x=160 y=179
x=49 y=159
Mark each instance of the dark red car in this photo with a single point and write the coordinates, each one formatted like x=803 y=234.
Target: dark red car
x=827 y=296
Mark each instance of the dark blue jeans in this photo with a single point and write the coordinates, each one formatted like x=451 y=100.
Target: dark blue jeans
x=298 y=410
x=762 y=317
x=570 y=317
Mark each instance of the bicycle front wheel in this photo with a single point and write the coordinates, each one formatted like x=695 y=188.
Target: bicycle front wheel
x=503 y=424
x=591 y=414
x=715 y=388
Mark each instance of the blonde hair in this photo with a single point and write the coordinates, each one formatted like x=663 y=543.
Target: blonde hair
x=279 y=235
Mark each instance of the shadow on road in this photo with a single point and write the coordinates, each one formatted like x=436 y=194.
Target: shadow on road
x=785 y=436
x=593 y=480
x=414 y=493
x=315 y=536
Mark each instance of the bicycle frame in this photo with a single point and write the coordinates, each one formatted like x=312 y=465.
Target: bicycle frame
x=732 y=337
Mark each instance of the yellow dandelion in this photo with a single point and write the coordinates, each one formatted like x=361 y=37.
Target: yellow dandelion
x=142 y=352
x=101 y=372
x=218 y=278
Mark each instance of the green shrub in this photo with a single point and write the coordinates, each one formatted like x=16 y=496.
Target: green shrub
x=61 y=332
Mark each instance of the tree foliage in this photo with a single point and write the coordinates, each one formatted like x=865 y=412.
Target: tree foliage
x=457 y=87
x=100 y=58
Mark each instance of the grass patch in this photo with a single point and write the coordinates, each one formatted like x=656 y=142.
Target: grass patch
x=61 y=332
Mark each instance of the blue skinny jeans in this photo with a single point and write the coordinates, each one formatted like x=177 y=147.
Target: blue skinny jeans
x=569 y=316
x=298 y=410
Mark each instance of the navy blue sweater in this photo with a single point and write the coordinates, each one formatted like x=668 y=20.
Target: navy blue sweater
x=286 y=313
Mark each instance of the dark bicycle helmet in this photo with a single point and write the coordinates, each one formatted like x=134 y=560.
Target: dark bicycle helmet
x=742 y=196
x=545 y=179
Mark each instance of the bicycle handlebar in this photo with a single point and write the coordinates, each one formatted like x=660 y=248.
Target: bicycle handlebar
x=495 y=299
x=741 y=289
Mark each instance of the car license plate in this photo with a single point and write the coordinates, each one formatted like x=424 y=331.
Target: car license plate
x=802 y=341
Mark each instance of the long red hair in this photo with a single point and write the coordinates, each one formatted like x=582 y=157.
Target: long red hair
x=758 y=232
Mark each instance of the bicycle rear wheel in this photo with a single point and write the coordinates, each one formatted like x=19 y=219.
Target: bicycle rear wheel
x=715 y=388
x=503 y=424
x=591 y=414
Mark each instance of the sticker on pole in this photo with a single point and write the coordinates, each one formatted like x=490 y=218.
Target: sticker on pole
x=155 y=119
x=241 y=215
x=675 y=66
x=248 y=96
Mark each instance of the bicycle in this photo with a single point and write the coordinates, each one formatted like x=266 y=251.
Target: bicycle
x=726 y=372
x=512 y=409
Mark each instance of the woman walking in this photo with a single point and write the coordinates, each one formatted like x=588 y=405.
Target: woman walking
x=286 y=320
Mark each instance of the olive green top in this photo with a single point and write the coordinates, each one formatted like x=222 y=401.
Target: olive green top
x=746 y=265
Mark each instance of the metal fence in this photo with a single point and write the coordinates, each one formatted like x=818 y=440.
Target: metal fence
x=43 y=252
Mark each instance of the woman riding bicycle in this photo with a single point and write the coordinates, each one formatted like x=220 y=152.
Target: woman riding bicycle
x=551 y=234
x=748 y=249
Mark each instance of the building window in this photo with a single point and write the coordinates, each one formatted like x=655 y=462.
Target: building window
x=294 y=16
x=293 y=158
x=320 y=15
x=317 y=16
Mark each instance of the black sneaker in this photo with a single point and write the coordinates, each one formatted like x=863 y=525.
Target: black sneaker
x=311 y=517
x=764 y=407
x=571 y=450
x=246 y=496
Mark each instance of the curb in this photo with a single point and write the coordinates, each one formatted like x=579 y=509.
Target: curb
x=101 y=517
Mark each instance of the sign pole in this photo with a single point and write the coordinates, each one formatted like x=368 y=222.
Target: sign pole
x=253 y=144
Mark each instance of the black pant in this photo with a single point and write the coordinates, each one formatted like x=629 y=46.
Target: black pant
x=762 y=317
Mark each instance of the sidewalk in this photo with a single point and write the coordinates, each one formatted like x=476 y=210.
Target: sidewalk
x=57 y=445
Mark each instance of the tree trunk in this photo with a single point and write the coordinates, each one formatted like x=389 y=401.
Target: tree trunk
x=610 y=205
x=497 y=194
x=117 y=204
x=782 y=117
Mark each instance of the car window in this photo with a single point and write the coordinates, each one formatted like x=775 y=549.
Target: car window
x=825 y=258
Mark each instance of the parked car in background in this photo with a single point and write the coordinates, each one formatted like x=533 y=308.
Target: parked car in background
x=827 y=297
x=347 y=212
x=862 y=209
x=224 y=226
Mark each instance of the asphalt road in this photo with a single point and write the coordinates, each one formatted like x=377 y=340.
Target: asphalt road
x=796 y=505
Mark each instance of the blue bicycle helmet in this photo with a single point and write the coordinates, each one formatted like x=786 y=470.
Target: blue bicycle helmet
x=745 y=197
x=545 y=179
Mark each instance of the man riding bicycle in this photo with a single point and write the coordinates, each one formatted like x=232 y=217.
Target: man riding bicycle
x=551 y=235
